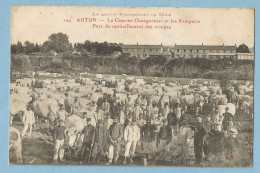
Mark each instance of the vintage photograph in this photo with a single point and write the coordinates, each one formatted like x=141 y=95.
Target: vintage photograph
x=131 y=86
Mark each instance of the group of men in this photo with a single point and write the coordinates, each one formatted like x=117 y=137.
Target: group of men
x=153 y=127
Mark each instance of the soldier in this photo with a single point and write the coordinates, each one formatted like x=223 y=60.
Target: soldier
x=231 y=145
x=165 y=135
x=28 y=120
x=88 y=140
x=62 y=114
x=178 y=114
x=216 y=117
x=106 y=107
x=148 y=138
x=131 y=137
x=208 y=126
x=115 y=136
x=227 y=117
x=58 y=139
x=217 y=144
x=199 y=133
x=98 y=141
x=183 y=140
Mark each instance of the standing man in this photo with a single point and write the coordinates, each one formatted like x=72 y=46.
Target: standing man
x=106 y=107
x=216 y=117
x=199 y=133
x=148 y=138
x=98 y=141
x=28 y=120
x=183 y=140
x=58 y=138
x=115 y=136
x=208 y=125
x=131 y=136
x=217 y=144
x=62 y=114
x=227 y=118
x=88 y=140
x=177 y=112
x=164 y=136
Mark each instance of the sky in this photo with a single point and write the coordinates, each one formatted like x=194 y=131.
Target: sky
x=216 y=26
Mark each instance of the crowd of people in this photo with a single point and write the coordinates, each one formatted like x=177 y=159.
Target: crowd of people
x=119 y=128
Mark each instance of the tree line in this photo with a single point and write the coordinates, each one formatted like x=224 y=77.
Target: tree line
x=59 y=43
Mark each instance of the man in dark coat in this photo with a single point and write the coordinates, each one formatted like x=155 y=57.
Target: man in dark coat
x=231 y=145
x=98 y=141
x=148 y=137
x=217 y=144
x=227 y=117
x=88 y=140
x=115 y=136
x=199 y=132
x=208 y=126
x=165 y=135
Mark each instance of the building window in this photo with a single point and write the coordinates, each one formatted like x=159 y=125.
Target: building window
x=198 y=51
x=184 y=50
x=204 y=51
x=190 y=50
x=150 y=50
x=191 y=55
x=231 y=51
x=224 y=51
x=177 y=50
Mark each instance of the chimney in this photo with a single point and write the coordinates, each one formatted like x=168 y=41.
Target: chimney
x=175 y=44
x=223 y=45
x=161 y=44
x=137 y=43
x=202 y=44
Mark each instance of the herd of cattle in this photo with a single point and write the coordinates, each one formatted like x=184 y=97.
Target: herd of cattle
x=47 y=92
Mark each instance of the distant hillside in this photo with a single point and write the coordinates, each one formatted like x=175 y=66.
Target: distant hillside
x=152 y=66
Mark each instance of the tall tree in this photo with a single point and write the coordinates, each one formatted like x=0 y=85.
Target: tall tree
x=19 y=47
x=28 y=47
x=243 y=49
x=57 y=42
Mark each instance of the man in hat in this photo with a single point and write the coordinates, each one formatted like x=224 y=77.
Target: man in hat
x=227 y=117
x=58 y=138
x=98 y=141
x=88 y=140
x=178 y=112
x=231 y=145
x=217 y=144
x=28 y=120
x=115 y=136
x=208 y=126
x=62 y=114
x=131 y=136
x=216 y=116
x=183 y=140
x=106 y=107
x=148 y=137
x=199 y=132
x=137 y=111
x=165 y=135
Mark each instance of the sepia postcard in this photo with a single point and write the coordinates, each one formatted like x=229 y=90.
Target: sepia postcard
x=131 y=86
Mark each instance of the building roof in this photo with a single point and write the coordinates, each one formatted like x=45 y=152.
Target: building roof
x=205 y=47
x=136 y=46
